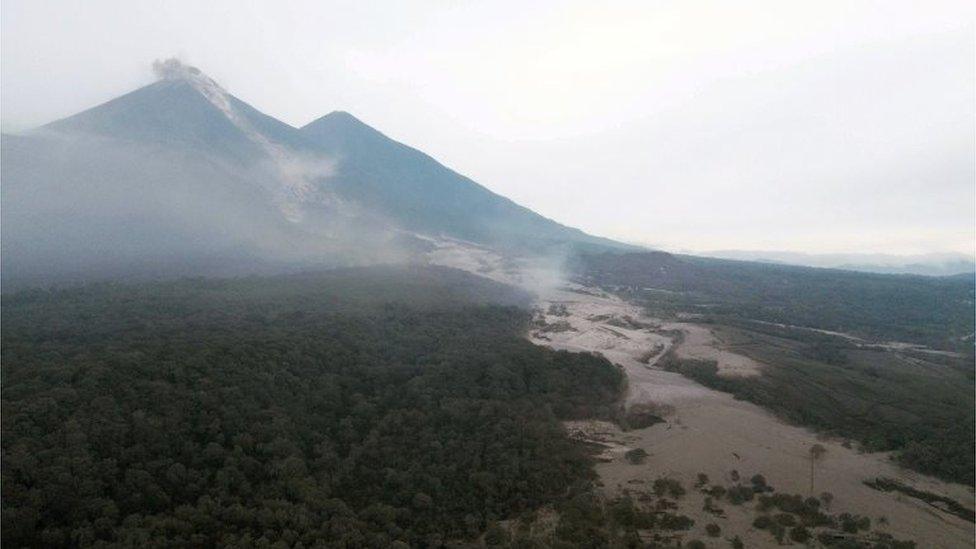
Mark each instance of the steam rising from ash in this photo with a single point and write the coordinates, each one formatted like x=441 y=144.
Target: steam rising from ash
x=84 y=206
x=79 y=208
x=298 y=175
x=146 y=196
x=174 y=69
x=539 y=272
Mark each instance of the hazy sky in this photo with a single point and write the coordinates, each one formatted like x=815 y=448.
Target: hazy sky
x=811 y=126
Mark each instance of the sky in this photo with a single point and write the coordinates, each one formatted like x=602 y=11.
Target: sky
x=841 y=127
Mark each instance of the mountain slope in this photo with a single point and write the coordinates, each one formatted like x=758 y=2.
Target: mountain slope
x=185 y=108
x=422 y=195
x=169 y=113
x=175 y=178
x=181 y=169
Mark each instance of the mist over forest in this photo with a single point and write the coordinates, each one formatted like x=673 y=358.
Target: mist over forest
x=235 y=314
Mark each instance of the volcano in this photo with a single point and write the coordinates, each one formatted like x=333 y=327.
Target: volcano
x=181 y=176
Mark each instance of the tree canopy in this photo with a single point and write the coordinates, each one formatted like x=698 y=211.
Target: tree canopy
x=284 y=410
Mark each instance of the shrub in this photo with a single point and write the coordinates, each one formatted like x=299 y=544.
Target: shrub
x=710 y=507
x=853 y=523
x=808 y=510
x=663 y=504
x=670 y=486
x=740 y=494
x=636 y=456
x=888 y=542
x=669 y=521
x=626 y=514
x=623 y=512
x=786 y=519
x=762 y=522
x=641 y=418
x=827 y=498
x=799 y=534
x=759 y=484
x=713 y=530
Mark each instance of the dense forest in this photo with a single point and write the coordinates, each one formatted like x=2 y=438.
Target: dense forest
x=934 y=311
x=356 y=408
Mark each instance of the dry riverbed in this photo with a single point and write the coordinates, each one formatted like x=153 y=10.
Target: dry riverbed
x=706 y=431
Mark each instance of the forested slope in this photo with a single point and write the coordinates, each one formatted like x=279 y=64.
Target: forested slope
x=355 y=408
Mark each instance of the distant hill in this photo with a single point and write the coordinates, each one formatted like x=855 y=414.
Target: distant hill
x=924 y=264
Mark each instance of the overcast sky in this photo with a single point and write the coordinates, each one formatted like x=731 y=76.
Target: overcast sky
x=810 y=126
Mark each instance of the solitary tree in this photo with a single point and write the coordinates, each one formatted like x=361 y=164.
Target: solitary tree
x=826 y=498
x=702 y=480
x=816 y=454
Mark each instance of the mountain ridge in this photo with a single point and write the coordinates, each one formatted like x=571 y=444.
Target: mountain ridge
x=376 y=157
x=130 y=170
x=931 y=264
